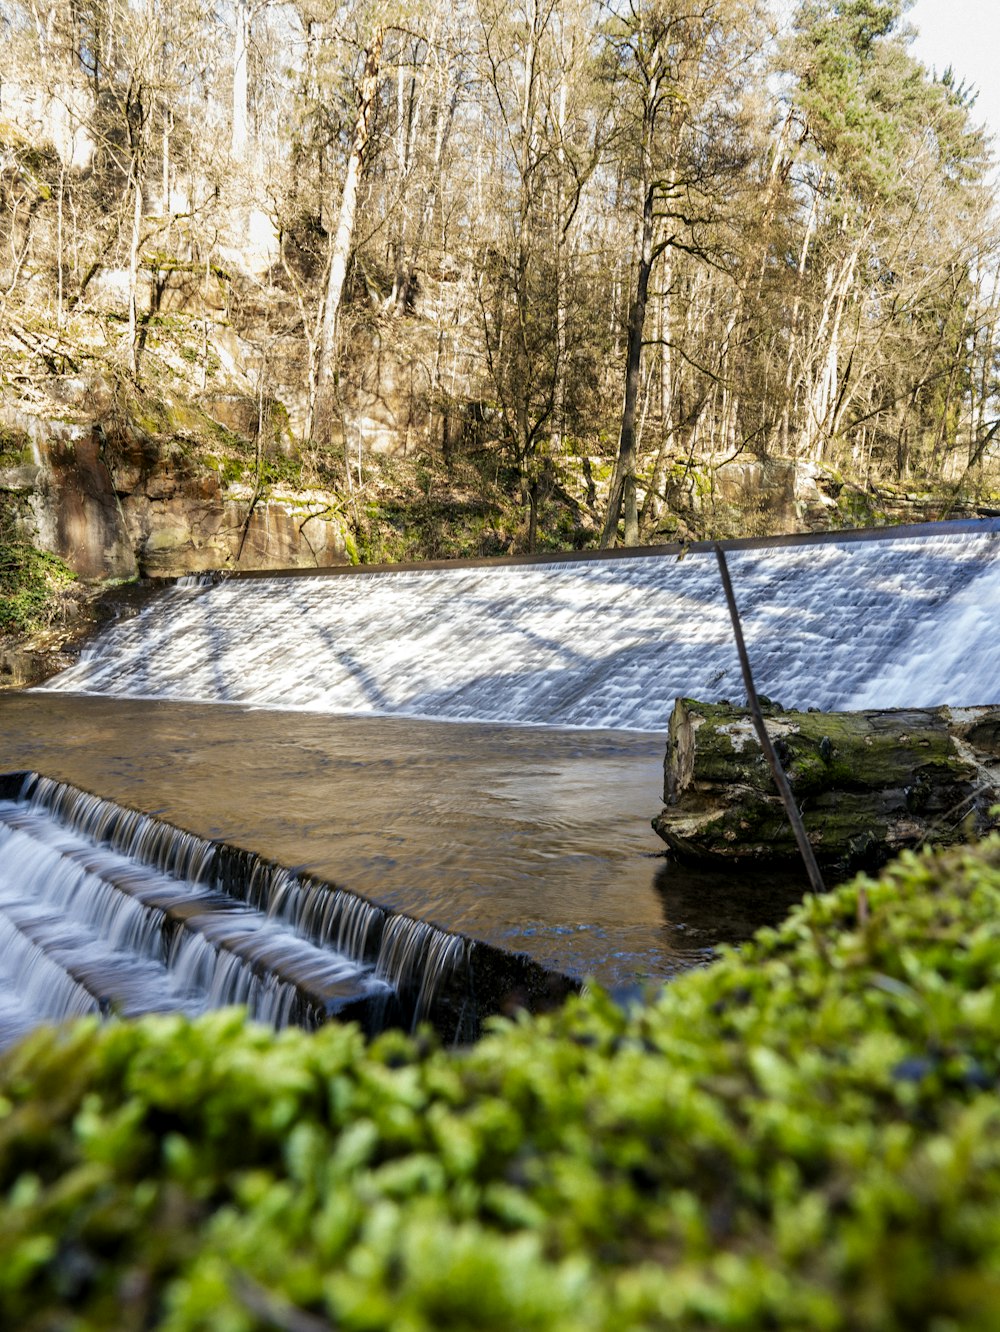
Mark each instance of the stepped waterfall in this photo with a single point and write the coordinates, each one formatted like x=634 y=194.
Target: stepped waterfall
x=104 y=908
x=591 y=643
x=299 y=715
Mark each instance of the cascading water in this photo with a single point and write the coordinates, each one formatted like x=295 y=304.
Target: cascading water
x=128 y=913
x=104 y=909
x=593 y=643
x=124 y=908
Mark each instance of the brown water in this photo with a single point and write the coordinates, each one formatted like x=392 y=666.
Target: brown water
x=534 y=838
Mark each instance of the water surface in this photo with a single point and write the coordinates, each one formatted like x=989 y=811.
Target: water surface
x=534 y=838
x=903 y=621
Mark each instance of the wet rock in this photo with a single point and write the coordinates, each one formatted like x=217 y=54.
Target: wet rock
x=20 y=667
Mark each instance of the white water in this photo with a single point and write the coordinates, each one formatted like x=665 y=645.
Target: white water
x=84 y=926
x=881 y=623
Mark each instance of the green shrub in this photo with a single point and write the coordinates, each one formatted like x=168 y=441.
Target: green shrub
x=30 y=583
x=804 y=1135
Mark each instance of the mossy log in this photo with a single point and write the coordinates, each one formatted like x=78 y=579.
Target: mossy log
x=868 y=784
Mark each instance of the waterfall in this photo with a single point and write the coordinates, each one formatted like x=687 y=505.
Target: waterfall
x=105 y=909
x=606 y=642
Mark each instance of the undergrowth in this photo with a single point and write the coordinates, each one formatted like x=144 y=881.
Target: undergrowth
x=31 y=586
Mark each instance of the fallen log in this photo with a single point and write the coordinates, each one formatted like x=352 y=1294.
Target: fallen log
x=868 y=784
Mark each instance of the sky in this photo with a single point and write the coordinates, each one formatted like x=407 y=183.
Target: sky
x=966 y=35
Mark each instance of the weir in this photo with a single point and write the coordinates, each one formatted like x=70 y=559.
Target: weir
x=890 y=621
x=106 y=909
x=103 y=908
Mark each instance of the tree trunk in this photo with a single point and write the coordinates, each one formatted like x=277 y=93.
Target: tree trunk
x=133 y=266
x=60 y=319
x=240 y=136
x=868 y=784
x=655 y=501
x=794 y=350
x=562 y=313
x=344 y=236
x=405 y=279
x=166 y=129
x=623 y=481
x=622 y=494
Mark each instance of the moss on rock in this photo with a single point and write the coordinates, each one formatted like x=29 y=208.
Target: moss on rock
x=866 y=783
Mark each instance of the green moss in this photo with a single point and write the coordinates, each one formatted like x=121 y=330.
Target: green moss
x=230 y=470
x=17 y=457
x=283 y=470
x=279 y=421
x=862 y=782
x=15 y=448
x=168 y=323
x=804 y=1135
x=851 y=750
x=860 y=508
x=160 y=416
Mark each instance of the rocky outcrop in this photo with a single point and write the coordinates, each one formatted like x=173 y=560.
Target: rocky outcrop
x=65 y=498
x=117 y=502
x=867 y=784
x=761 y=496
x=21 y=667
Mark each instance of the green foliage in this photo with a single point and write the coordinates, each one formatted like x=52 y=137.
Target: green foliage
x=804 y=1135
x=30 y=583
x=282 y=470
x=15 y=448
x=468 y=506
x=393 y=532
x=849 y=53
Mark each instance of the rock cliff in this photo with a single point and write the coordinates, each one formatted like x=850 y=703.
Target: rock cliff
x=116 y=500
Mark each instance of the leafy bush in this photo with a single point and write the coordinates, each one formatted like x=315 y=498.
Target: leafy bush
x=30 y=583
x=804 y=1135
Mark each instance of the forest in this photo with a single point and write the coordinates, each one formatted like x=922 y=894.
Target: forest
x=600 y=249
x=292 y=284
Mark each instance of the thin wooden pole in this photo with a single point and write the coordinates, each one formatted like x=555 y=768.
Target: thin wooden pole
x=777 y=771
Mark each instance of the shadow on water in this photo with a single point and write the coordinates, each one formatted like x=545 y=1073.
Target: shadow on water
x=704 y=908
x=577 y=644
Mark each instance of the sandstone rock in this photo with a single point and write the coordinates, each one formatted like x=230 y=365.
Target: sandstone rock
x=20 y=479
x=115 y=508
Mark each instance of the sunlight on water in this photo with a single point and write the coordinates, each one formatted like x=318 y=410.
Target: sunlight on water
x=595 y=644
x=508 y=825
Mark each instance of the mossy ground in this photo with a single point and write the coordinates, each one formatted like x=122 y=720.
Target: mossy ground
x=804 y=1135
